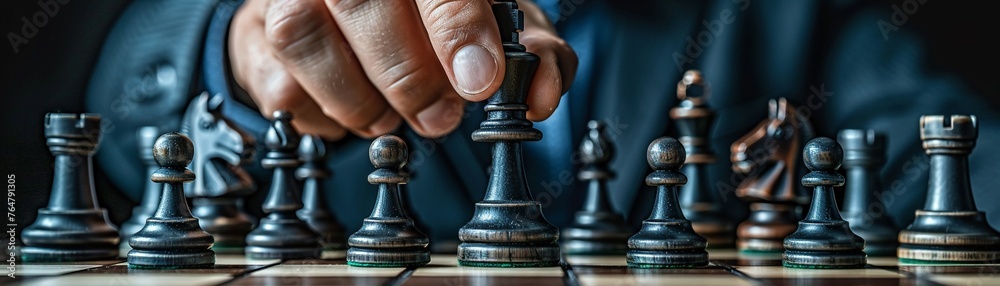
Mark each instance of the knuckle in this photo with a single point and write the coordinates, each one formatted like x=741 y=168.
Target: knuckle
x=410 y=84
x=441 y=16
x=292 y=24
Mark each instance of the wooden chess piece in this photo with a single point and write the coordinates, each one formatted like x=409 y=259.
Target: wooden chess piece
x=596 y=228
x=949 y=228
x=388 y=238
x=72 y=227
x=281 y=234
x=172 y=238
x=701 y=204
x=768 y=158
x=864 y=154
x=666 y=239
x=823 y=239
x=508 y=228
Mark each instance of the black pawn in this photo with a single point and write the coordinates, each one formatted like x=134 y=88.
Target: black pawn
x=172 y=237
x=864 y=154
x=823 y=239
x=596 y=229
x=699 y=200
x=388 y=238
x=312 y=152
x=282 y=235
x=73 y=227
x=949 y=228
x=508 y=228
x=145 y=138
x=666 y=239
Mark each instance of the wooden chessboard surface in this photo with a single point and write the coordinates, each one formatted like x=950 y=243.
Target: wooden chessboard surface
x=728 y=268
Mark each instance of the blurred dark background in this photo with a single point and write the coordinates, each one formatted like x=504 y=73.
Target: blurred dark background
x=50 y=72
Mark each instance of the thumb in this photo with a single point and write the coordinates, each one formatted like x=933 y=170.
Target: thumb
x=466 y=39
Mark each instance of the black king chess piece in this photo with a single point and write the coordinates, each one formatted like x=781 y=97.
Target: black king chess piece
x=218 y=190
x=282 y=235
x=172 y=238
x=597 y=228
x=823 y=239
x=701 y=204
x=145 y=137
x=508 y=228
x=864 y=154
x=666 y=239
x=312 y=152
x=73 y=227
x=949 y=228
x=388 y=238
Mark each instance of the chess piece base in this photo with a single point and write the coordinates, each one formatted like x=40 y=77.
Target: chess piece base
x=959 y=236
x=718 y=234
x=282 y=236
x=667 y=259
x=70 y=235
x=596 y=234
x=143 y=259
x=508 y=255
x=823 y=259
x=766 y=228
x=364 y=257
x=222 y=218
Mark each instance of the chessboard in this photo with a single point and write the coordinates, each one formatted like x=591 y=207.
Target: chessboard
x=727 y=267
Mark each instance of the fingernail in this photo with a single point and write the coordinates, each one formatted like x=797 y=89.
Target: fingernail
x=441 y=117
x=474 y=68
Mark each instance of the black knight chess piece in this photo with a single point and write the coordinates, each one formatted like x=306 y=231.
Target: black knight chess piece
x=508 y=228
x=949 y=228
x=281 y=234
x=172 y=238
x=699 y=200
x=864 y=154
x=72 y=227
x=312 y=152
x=666 y=239
x=388 y=238
x=768 y=157
x=216 y=194
x=596 y=228
x=145 y=138
x=823 y=239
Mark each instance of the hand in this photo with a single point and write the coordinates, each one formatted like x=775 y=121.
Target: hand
x=365 y=66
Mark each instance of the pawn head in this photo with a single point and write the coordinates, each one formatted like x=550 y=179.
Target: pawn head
x=388 y=151
x=823 y=154
x=665 y=153
x=173 y=150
